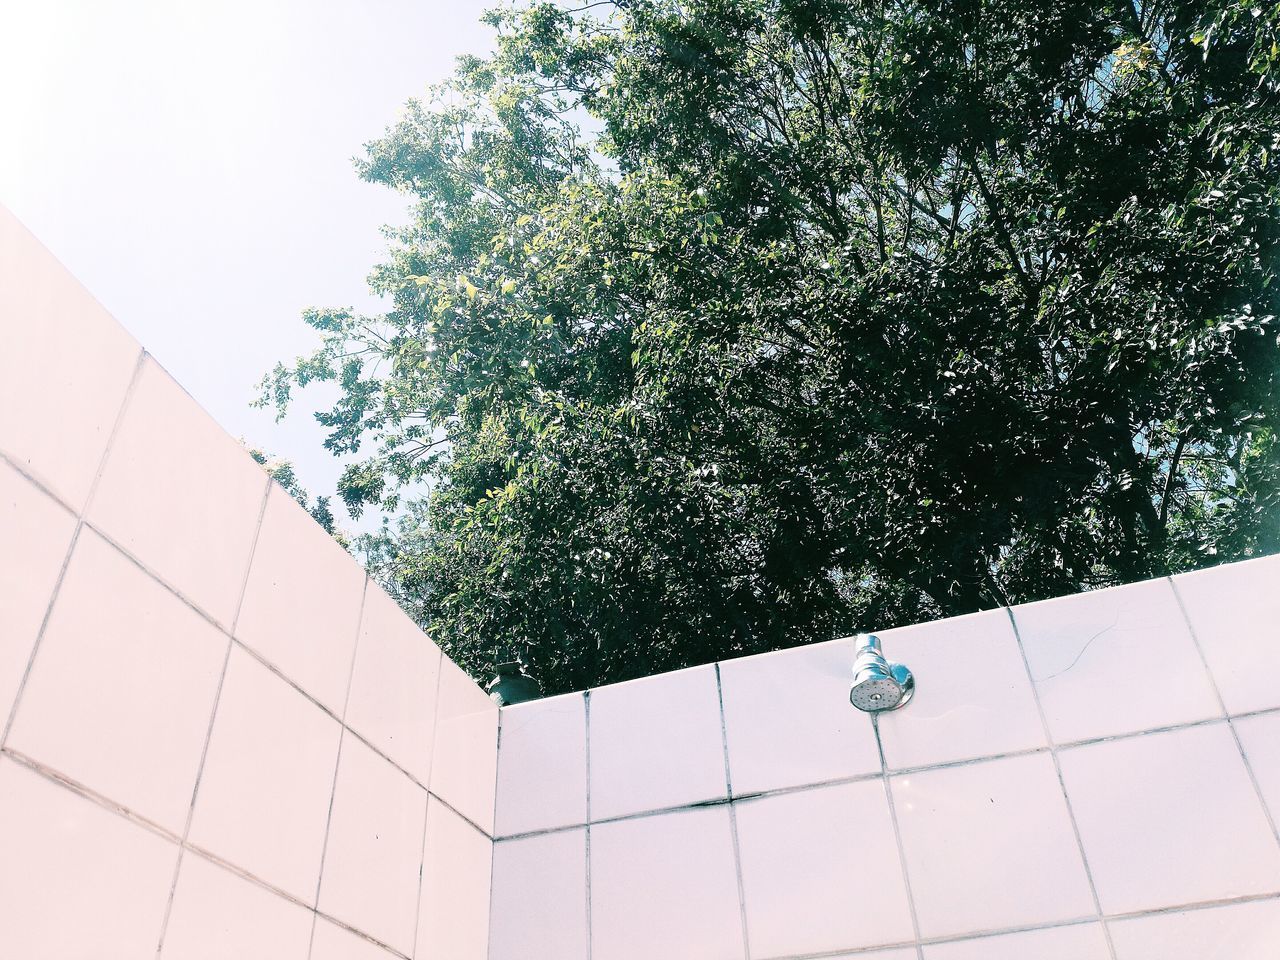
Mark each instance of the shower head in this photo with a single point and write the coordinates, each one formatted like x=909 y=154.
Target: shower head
x=877 y=684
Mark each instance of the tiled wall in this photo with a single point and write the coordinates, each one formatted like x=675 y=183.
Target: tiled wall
x=1090 y=778
x=219 y=739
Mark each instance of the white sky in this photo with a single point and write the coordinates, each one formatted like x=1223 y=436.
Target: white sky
x=191 y=164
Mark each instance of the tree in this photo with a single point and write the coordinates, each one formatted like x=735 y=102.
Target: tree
x=282 y=472
x=724 y=325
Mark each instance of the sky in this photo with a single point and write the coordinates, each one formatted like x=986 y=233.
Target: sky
x=191 y=164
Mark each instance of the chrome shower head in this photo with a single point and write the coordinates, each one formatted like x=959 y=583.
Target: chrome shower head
x=877 y=684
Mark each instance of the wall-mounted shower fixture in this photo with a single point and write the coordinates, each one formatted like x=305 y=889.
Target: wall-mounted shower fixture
x=877 y=684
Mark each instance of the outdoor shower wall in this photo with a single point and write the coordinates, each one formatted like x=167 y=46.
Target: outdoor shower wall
x=1095 y=777
x=220 y=739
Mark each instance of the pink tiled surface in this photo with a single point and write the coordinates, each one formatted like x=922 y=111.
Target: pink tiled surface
x=1171 y=818
x=664 y=886
x=264 y=796
x=75 y=879
x=172 y=479
x=122 y=689
x=217 y=915
x=788 y=722
x=990 y=846
x=64 y=356
x=374 y=851
x=1260 y=738
x=465 y=765
x=35 y=530
x=1084 y=941
x=656 y=743
x=821 y=871
x=457 y=867
x=1243 y=931
x=542 y=766
x=332 y=942
x=540 y=898
x=393 y=685
x=301 y=609
x=1229 y=608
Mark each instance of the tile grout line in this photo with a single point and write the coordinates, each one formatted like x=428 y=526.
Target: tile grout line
x=1222 y=703
x=586 y=731
x=337 y=763
x=110 y=806
x=80 y=514
x=493 y=846
x=213 y=716
x=1062 y=785
x=426 y=812
x=733 y=817
x=897 y=838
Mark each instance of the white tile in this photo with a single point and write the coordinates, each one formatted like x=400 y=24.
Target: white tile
x=665 y=886
x=990 y=846
x=973 y=698
x=301 y=606
x=1115 y=661
x=1170 y=818
x=333 y=942
x=821 y=871
x=64 y=369
x=180 y=495
x=1242 y=931
x=542 y=765
x=374 y=852
x=789 y=722
x=76 y=881
x=264 y=796
x=656 y=743
x=393 y=685
x=1260 y=737
x=457 y=861
x=464 y=769
x=1084 y=941
x=1234 y=610
x=540 y=898
x=35 y=532
x=217 y=915
x=122 y=689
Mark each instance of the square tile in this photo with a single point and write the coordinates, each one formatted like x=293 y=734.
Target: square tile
x=1086 y=650
x=1083 y=941
x=457 y=860
x=374 y=851
x=180 y=495
x=789 y=722
x=122 y=689
x=821 y=871
x=665 y=886
x=990 y=846
x=1170 y=818
x=332 y=942
x=464 y=769
x=217 y=915
x=973 y=697
x=394 y=684
x=35 y=532
x=301 y=606
x=656 y=743
x=540 y=898
x=1234 y=609
x=1241 y=931
x=56 y=413
x=542 y=765
x=1260 y=738
x=76 y=880
x=264 y=796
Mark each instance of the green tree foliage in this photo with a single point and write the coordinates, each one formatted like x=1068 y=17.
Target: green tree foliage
x=724 y=325
x=282 y=472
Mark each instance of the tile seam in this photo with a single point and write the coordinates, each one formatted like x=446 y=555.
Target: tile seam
x=426 y=813
x=1222 y=703
x=488 y=946
x=733 y=817
x=912 y=909
x=1062 y=786
x=586 y=732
